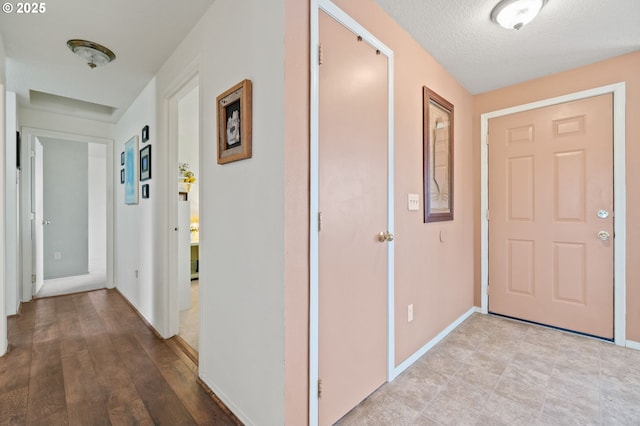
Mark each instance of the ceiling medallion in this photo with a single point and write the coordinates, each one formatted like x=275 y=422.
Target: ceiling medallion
x=94 y=54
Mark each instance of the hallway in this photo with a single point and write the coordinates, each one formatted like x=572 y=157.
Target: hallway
x=88 y=359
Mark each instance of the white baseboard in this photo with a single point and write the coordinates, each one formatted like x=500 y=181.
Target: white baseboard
x=632 y=345
x=423 y=350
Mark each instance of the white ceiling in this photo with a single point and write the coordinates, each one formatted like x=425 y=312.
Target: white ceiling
x=483 y=56
x=143 y=33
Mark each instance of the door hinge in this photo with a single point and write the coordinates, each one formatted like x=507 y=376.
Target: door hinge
x=487 y=215
x=319 y=221
x=33 y=154
x=319 y=388
x=320 y=54
x=486 y=140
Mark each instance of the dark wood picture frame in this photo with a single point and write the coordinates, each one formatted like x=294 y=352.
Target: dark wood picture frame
x=122 y=158
x=234 y=123
x=145 y=163
x=145 y=190
x=122 y=176
x=438 y=157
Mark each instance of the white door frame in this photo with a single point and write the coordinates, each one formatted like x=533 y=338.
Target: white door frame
x=336 y=13
x=28 y=136
x=619 y=191
x=182 y=85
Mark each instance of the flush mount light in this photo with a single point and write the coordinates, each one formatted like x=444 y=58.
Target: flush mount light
x=94 y=54
x=515 y=14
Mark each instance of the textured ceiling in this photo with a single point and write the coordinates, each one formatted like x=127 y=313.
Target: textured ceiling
x=142 y=33
x=483 y=56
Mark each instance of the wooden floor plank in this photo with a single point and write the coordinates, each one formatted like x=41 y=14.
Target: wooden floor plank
x=88 y=359
x=133 y=413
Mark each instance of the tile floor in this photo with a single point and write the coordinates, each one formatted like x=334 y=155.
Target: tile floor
x=494 y=371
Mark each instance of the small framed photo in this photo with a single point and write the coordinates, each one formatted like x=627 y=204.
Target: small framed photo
x=121 y=176
x=145 y=163
x=122 y=158
x=234 y=123
x=438 y=157
x=145 y=190
x=145 y=133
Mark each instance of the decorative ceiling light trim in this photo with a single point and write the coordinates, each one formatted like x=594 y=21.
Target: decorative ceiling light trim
x=94 y=54
x=515 y=14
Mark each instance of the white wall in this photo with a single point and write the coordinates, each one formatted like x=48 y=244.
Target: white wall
x=241 y=209
x=98 y=205
x=188 y=144
x=3 y=314
x=64 y=123
x=11 y=207
x=136 y=245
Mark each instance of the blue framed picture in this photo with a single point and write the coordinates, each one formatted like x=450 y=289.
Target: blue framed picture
x=131 y=171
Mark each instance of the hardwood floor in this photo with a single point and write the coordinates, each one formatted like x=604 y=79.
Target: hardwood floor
x=88 y=359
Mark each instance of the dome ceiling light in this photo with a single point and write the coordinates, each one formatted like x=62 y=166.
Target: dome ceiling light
x=515 y=14
x=94 y=54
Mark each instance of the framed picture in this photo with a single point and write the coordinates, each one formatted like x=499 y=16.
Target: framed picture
x=121 y=176
x=145 y=133
x=145 y=190
x=145 y=163
x=131 y=163
x=122 y=158
x=234 y=123
x=438 y=157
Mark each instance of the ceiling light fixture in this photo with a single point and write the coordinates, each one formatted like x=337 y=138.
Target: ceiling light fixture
x=94 y=54
x=515 y=14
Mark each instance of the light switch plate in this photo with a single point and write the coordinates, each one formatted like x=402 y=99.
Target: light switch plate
x=414 y=202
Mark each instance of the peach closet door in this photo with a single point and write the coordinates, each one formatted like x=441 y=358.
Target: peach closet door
x=353 y=204
x=551 y=216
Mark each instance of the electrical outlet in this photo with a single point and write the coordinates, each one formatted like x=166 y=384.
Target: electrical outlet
x=413 y=202
x=57 y=255
x=410 y=313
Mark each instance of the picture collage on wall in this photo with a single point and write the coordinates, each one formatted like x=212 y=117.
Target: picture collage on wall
x=135 y=167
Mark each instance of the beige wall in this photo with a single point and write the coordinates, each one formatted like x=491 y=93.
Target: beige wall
x=296 y=211
x=623 y=68
x=435 y=277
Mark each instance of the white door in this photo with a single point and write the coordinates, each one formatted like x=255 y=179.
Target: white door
x=38 y=222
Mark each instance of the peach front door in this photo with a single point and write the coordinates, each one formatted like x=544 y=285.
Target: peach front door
x=353 y=204
x=551 y=216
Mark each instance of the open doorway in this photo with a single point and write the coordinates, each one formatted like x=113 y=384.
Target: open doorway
x=66 y=213
x=188 y=107
x=71 y=221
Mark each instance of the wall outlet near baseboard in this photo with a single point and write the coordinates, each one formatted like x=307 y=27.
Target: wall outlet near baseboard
x=410 y=313
x=57 y=255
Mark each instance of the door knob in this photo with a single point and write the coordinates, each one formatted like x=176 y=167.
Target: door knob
x=603 y=235
x=385 y=236
x=46 y=222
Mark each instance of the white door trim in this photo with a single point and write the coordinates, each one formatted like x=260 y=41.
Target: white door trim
x=336 y=13
x=28 y=135
x=188 y=80
x=619 y=190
